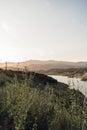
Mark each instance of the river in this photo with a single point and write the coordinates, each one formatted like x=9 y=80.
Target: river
x=73 y=83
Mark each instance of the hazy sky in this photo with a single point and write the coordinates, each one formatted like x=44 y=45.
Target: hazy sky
x=43 y=29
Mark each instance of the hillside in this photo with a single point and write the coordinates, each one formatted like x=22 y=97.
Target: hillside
x=70 y=72
x=37 y=65
x=32 y=101
x=21 y=76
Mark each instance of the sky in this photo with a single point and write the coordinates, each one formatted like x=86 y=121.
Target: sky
x=43 y=30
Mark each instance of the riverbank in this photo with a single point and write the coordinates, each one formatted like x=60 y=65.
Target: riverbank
x=75 y=83
x=71 y=72
x=84 y=78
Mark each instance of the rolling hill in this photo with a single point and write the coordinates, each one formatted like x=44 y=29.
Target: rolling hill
x=37 y=65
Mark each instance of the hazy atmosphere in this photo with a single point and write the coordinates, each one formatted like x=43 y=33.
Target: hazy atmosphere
x=43 y=64
x=43 y=29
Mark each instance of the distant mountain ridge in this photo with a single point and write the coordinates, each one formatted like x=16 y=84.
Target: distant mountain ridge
x=36 y=65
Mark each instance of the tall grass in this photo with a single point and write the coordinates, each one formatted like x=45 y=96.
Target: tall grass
x=23 y=107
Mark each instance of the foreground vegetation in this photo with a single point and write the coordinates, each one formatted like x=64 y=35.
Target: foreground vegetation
x=31 y=101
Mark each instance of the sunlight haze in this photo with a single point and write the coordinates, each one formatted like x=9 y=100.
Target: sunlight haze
x=43 y=29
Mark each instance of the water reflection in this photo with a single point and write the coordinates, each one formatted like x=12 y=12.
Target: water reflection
x=73 y=83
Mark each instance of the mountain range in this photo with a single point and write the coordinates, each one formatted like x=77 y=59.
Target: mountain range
x=37 y=65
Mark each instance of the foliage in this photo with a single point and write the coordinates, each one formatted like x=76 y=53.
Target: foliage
x=24 y=106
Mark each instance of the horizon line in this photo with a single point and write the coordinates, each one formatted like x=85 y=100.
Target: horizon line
x=55 y=60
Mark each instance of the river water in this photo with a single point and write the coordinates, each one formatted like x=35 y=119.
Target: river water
x=73 y=83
